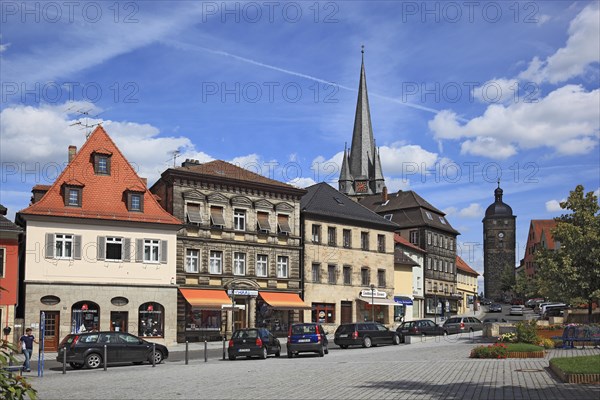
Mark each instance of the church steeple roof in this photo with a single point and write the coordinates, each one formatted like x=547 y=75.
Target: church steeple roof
x=498 y=208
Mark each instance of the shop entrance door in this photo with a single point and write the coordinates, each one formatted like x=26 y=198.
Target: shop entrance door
x=346 y=316
x=239 y=314
x=118 y=321
x=51 y=329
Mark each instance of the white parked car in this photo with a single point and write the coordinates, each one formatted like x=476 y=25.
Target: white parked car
x=517 y=310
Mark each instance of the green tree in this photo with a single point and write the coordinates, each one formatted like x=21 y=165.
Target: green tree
x=572 y=271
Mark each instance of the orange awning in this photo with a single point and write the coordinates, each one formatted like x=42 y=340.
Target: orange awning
x=284 y=301
x=213 y=299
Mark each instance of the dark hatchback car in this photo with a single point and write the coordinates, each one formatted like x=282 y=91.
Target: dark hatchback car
x=87 y=349
x=420 y=327
x=307 y=338
x=365 y=334
x=253 y=342
x=495 y=307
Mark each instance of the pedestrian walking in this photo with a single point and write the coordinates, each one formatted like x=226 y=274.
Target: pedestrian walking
x=26 y=342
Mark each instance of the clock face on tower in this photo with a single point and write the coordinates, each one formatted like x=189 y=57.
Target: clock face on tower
x=501 y=235
x=361 y=187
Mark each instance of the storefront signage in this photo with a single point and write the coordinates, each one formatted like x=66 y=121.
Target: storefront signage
x=376 y=294
x=242 y=292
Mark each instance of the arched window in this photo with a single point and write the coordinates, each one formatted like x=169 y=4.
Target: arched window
x=151 y=320
x=85 y=317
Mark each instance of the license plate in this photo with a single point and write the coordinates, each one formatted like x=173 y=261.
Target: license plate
x=303 y=340
x=344 y=335
x=243 y=350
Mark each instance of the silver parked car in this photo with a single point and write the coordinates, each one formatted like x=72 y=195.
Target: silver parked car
x=462 y=324
x=517 y=310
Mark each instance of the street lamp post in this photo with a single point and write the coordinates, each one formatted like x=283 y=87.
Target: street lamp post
x=232 y=309
x=372 y=301
x=435 y=305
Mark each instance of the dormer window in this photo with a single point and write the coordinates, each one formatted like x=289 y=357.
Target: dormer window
x=72 y=194
x=101 y=162
x=135 y=201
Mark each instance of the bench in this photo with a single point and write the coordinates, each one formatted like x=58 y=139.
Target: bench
x=575 y=334
x=14 y=368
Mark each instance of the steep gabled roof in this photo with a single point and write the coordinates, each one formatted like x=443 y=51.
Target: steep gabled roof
x=5 y=223
x=324 y=201
x=409 y=210
x=402 y=241
x=463 y=266
x=542 y=228
x=103 y=196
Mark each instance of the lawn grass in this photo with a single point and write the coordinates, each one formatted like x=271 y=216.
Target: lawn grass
x=523 y=347
x=578 y=365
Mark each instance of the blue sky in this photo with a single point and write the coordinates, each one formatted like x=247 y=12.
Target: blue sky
x=461 y=94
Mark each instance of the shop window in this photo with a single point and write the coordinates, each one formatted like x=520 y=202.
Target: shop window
x=381 y=243
x=239 y=220
x=202 y=320
x=331 y=274
x=347 y=275
x=347 y=237
x=239 y=263
x=316 y=233
x=331 y=236
x=262 y=262
x=282 y=267
x=364 y=240
x=365 y=279
x=323 y=313
x=216 y=262
x=85 y=317
x=151 y=320
x=316 y=273
x=192 y=258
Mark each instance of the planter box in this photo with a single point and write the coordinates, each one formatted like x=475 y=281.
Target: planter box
x=526 y=354
x=575 y=378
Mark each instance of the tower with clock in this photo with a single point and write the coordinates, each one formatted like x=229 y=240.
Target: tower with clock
x=499 y=230
x=361 y=173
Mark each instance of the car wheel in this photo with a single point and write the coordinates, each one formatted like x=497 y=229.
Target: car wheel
x=264 y=353
x=158 y=357
x=367 y=342
x=396 y=340
x=232 y=357
x=344 y=346
x=76 y=365
x=321 y=352
x=93 y=361
x=278 y=352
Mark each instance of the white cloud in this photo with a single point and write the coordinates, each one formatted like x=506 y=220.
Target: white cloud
x=450 y=211
x=497 y=90
x=542 y=19
x=4 y=47
x=406 y=160
x=395 y=184
x=565 y=120
x=553 y=205
x=580 y=51
x=474 y=210
x=302 y=182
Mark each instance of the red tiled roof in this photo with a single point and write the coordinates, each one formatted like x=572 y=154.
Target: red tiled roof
x=543 y=226
x=222 y=169
x=404 y=242
x=41 y=187
x=463 y=266
x=103 y=196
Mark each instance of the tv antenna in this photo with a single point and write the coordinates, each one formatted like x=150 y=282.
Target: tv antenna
x=175 y=155
x=86 y=124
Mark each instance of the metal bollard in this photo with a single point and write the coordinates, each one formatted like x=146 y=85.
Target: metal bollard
x=186 y=352
x=205 y=355
x=65 y=360
x=105 y=357
x=153 y=355
x=224 y=339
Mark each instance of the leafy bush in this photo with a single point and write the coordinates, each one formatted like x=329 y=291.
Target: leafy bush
x=509 y=337
x=546 y=343
x=13 y=387
x=496 y=350
x=526 y=332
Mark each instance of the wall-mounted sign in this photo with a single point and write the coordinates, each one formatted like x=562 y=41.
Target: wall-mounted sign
x=243 y=292
x=376 y=294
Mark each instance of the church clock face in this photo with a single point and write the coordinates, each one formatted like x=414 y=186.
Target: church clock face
x=361 y=187
x=501 y=235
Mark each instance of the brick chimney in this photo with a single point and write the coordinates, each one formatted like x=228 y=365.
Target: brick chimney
x=72 y=152
x=190 y=162
x=384 y=194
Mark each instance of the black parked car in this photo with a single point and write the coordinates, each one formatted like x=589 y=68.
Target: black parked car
x=87 y=349
x=420 y=327
x=365 y=334
x=253 y=342
x=307 y=338
x=495 y=307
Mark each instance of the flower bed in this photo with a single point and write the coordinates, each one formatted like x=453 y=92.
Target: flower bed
x=510 y=350
x=583 y=369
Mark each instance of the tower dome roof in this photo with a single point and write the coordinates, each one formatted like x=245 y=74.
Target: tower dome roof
x=498 y=208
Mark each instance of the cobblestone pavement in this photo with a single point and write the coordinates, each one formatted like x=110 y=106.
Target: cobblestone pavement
x=438 y=368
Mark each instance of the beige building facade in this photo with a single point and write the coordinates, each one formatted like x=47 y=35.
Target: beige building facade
x=466 y=284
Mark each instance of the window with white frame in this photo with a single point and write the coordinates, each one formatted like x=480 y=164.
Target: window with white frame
x=262 y=263
x=418 y=283
x=151 y=247
x=282 y=267
x=435 y=265
x=63 y=246
x=316 y=233
x=414 y=237
x=429 y=238
x=429 y=263
x=239 y=263
x=215 y=263
x=239 y=220
x=114 y=249
x=192 y=260
x=347 y=238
